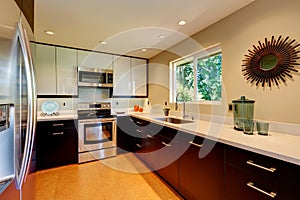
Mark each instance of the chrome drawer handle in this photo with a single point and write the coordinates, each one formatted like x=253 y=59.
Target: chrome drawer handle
x=271 y=194
x=58 y=124
x=138 y=145
x=272 y=169
x=138 y=122
x=59 y=133
x=197 y=145
x=168 y=145
x=138 y=130
x=149 y=136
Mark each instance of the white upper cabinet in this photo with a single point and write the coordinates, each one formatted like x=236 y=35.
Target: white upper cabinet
x=94 y=60
x=130 y=77
x=55 y=70
x=139 y=77
x=45 y=71
x=66 y=70
x=122 y=77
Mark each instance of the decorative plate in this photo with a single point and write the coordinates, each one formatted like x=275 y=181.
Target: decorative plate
x=49 y=107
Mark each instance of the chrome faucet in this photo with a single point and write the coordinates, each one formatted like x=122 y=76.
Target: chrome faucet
x=184 y=115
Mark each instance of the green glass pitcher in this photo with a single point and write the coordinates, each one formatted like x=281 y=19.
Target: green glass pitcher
x=242 y=112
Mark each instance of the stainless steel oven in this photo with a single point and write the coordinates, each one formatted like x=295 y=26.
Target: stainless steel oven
x=96 y=131
x=92 y=77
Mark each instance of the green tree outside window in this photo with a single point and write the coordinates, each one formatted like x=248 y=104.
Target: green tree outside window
x=208 y=79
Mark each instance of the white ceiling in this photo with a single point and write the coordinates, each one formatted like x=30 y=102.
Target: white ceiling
x=127 y=25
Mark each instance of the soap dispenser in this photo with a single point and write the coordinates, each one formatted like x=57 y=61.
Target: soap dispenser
x=166 y=109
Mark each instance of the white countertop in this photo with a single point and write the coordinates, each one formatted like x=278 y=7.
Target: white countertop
x=277 y=145
x=63 y=115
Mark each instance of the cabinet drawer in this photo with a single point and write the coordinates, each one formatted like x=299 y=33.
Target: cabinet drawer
x=264 y=166
x=242 y=185
x=54 y=126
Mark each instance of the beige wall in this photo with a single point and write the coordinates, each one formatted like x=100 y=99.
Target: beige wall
x=237 y=33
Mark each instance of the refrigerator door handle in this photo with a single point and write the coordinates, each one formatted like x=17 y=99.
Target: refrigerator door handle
x=31 y=120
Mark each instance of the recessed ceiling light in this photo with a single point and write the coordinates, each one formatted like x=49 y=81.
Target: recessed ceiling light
x=161 y=36
x=103 y=42
x=48 y=32
x=144 y=50
x=182 y=22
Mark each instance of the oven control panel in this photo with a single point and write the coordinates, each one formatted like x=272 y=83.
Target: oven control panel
x=94 y=106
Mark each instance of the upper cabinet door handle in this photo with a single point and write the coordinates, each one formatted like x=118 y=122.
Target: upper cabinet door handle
x=272 y=169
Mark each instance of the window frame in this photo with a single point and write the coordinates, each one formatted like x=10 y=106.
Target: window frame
x=206 y=52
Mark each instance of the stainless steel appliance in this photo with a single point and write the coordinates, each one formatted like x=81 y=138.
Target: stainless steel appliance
x=97 y=131
x=17 y=99
x=7 y=172
x=92 y=77
x=242 y=112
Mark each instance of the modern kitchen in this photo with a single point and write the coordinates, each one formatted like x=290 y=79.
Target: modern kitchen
x=149 y=100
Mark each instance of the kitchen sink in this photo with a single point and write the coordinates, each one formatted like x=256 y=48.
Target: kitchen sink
x=174 y=120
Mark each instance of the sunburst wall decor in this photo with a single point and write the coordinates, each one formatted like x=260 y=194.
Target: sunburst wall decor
x=271 y=62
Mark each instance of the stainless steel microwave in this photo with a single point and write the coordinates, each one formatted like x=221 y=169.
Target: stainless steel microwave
x=92 y=77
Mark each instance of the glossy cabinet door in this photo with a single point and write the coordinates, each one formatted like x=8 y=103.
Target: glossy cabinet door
x=122 y=76
x=125 y=136
x=202 y=177
x=167 y=158
x=130 y=77
x=96 y=60
x=45 y=71
x=56 y=70
x=139 y=77
x=66 y=71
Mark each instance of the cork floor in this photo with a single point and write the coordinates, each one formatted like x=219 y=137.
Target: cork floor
x=115 y=178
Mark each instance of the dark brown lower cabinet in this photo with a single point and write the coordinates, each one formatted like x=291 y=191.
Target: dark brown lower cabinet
x=125 y=138
x=56 y=144
x=202 y=177
x=242 y=185
x=167 y=159
x=202 y=169
x=253 y=176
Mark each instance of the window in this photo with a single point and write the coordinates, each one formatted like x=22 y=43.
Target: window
x=198 y=77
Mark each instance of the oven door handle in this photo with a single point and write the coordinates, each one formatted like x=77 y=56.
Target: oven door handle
x=92 y=121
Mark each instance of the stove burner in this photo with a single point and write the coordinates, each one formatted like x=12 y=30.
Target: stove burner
x=48 y=115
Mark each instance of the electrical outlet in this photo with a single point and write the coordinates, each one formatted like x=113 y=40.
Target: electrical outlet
x=230 y=107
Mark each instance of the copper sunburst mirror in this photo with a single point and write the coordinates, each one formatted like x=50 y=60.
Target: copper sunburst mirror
x=271 y=62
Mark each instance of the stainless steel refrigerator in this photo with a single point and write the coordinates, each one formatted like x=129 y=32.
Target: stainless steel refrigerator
x=17 y=102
